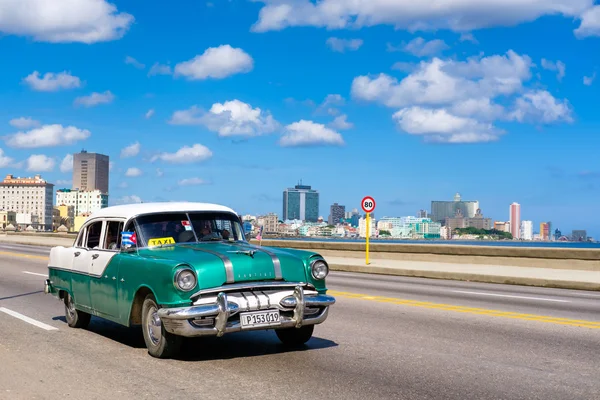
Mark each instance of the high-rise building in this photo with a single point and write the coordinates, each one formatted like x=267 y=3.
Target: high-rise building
x=336 y=214
x=28 y=197
x=527 y=230
x=440 y=210
x=579 y=236
x=301 y=202
x=515 y=220
x=544 y=231
x=90 y=172
x=422 y=214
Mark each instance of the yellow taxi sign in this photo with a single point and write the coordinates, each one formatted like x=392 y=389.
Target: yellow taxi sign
x=160 y=241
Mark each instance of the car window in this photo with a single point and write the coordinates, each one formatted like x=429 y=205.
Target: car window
x=80 y=239
x=93 y=235
x=112 y=237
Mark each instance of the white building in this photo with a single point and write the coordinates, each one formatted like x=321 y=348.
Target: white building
x=527 y=230
x=445 y=233
x=82 y=201
x=32 y=196
x=362 y=227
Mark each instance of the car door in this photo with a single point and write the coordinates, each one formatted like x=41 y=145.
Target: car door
x=82 y=265
x=105 y=270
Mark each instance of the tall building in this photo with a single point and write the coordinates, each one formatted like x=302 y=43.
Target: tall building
x=527 y=230
x=83 y=202
x=440 y=210
x=28 y=196
x=90 y=172
x=515 y=220
x=544 y=231
x=301 y=202
x=336 y=214
x=422 y=214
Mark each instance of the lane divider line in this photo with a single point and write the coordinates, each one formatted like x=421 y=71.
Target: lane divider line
x=13 y=254
x=27 y=319
x=469 y=310
x=35 y=273
x=510 y=296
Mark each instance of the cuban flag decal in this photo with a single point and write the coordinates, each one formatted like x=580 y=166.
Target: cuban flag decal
x=129 y=238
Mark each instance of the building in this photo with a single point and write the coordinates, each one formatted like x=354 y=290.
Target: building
x=90 y=172
x=457 y=222
x=84 y=202
x=67 y=216
x=422 y=214
x=269 y=222
x=544 y=231
x=29 y=221
x=502 y=226
x=32 y=196
x=8 y=218
x=301 y=202
x=557 y=234
x=478 y=221
x=527 y=230
x=515 y=220
x=336 y=214
x=362 y=227
x=440 y=210
x=445 y=233
x=579 y=236
x=79 y=221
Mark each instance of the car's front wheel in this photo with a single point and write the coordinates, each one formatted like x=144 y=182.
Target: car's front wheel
x=160 y=343
x=295 y=336
x=74 y=317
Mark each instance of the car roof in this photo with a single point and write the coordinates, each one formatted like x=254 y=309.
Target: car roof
x=131 y=210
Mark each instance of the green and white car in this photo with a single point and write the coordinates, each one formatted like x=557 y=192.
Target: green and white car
x=186 y=269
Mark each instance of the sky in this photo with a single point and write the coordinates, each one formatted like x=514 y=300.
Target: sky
x=233 y=101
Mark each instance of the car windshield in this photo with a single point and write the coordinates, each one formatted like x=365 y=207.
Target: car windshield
x=172 y=228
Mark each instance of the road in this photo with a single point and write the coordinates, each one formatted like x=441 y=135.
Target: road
x=386 y=338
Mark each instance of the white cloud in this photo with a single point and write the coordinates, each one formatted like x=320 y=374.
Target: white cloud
x=468 y=37
x=66 y=164
x=441 y=126
x=47 y=136
x=111 y=165
x=341 y=45
x=231 y=118
x=150 y=113
x=4 y=160
x=52 y=82
x=309 y=133
x=132 y=61
x=330 y=103
x=40 y=163
x=133 y=199
x=558 y=66
x=159 y=173
x=186 y=154
x=341 y=123
x=217 y=63
x=422 y=48
x=191 y=182
x=588 y=80
x=541 y=106
x=84 y=21
x=133 y=172
x=24 y=123
x=458 y=16
x=131 y=151
x=590 y=23
x=160 y=69
x=95 y=99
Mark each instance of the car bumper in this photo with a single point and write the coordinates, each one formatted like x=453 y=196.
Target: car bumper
x=216 y=319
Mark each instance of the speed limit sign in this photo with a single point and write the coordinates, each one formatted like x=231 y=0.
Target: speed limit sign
x=368 y=204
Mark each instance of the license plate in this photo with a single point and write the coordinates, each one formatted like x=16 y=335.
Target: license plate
x=259 y=318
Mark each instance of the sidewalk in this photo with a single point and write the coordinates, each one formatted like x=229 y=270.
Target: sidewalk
x=545 y=277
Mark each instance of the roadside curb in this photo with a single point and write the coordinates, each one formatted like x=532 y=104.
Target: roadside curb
x=464 y=276
x=36 y=244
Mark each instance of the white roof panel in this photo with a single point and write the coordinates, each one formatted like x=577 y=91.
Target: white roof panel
x=130 y=210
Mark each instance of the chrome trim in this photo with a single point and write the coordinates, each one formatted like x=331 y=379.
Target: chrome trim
x=47 y=286
x=318 y=300
x=223 y=316
x=250 y=286
x=299 y=309
x=226 y=261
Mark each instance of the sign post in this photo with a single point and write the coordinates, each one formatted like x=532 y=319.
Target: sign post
x=368 y=205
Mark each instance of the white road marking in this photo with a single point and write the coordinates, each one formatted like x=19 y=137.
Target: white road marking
x=28 y=320
x=35 y=273
x=510 y=296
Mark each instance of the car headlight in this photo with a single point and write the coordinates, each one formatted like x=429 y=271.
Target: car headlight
x=319 y=269
x=185 y=279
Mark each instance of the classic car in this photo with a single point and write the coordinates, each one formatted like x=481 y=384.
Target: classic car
x=186 y=270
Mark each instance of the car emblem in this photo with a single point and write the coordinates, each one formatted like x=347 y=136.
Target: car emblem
x=246 y=252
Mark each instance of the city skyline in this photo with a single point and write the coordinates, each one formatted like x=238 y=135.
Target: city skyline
x=224 y=118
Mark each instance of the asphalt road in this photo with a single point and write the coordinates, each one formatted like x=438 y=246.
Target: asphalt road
x=386 y=338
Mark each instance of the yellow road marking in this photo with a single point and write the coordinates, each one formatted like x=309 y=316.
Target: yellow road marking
x=469 y=310
x=11 y=254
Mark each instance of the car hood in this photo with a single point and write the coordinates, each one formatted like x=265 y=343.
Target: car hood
x=219 y=263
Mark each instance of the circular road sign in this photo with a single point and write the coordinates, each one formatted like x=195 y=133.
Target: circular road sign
x=368 y=204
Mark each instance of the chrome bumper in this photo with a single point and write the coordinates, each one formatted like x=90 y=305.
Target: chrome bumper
x=184 y=321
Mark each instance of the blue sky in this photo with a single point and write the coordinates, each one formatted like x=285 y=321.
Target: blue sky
x=233 y=101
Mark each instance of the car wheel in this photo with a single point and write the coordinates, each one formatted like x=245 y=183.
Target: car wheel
x=295 y=336
x=160 y=343
x=74 y=317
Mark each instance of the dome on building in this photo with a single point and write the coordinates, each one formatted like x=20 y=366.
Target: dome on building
x=10 y=227
x=29 y=229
